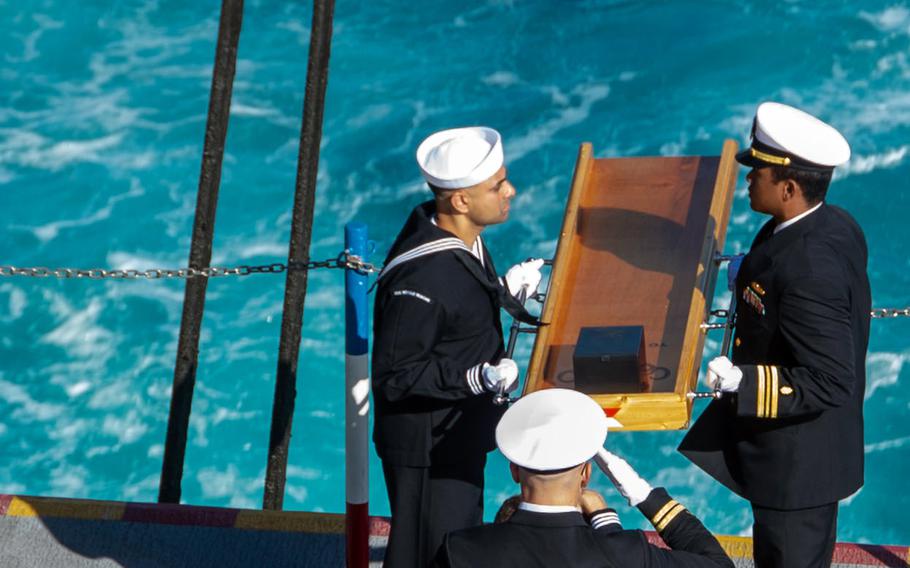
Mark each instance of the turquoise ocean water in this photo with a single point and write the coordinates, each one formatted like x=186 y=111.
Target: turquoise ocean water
x=102 y=110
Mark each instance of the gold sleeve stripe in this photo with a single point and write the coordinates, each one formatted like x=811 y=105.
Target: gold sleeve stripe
x=768 y=382
x=668 y=518
x=775 y=378
x=663 y=511
x=760 y=392
x=769 y=396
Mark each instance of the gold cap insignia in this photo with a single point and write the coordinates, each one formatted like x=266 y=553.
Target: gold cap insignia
x=770 y=158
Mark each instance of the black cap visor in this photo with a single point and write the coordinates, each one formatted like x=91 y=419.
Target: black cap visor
x=747 y=159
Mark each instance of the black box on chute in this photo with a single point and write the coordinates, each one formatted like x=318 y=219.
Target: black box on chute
x=610 y=360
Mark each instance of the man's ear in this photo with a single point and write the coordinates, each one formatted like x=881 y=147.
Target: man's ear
x=790 y=189
x=586 y=474
x=459 y=201
x=514 y=470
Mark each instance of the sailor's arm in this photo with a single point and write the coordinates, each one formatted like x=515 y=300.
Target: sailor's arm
x=690 y=542
x=408 y=326
x=597 y=513
x=815 y=321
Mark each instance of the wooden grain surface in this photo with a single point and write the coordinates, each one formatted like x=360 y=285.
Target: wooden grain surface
x=635 y=249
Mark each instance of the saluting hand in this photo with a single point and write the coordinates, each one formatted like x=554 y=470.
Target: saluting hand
x=627 y=481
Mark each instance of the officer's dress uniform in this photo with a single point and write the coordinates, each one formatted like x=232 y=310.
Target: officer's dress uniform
x=436 y=322
x=536 y=538
x=791 y=440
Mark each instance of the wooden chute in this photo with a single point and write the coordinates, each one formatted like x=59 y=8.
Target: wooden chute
x=637 y=247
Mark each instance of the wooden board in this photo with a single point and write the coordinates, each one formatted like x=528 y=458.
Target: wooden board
x=636 y=248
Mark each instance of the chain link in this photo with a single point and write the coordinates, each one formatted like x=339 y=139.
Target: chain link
x=890 y=312
x=354 y=262
x=343 y=260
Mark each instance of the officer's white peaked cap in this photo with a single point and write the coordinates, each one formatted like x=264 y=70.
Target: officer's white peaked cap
x=552 y=429
x=786 y=136
x=460 y=157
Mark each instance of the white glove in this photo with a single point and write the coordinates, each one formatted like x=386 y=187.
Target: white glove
x=501 y=378
x=525 y=275
x=627 y=481
x=723 y=375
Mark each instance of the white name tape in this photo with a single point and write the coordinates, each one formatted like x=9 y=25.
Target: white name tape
x=413 y=294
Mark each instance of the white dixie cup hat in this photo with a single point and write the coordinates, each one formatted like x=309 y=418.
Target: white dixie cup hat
x=460 y=157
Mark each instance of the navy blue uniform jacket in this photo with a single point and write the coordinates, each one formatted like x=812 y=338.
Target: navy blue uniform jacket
x=548 y=540
x=792 y=437
x=436 y=321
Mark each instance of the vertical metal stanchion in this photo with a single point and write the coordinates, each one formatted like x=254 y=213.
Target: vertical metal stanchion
x=200 y=251
x=317 y=78
x=357 y=401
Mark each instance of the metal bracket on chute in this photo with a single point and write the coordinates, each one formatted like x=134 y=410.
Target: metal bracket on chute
x=501 y=397
x=728 y=316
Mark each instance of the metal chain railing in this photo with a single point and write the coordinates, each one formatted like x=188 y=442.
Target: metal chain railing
x=877 y=313
x=890 y=312
x=343 y=260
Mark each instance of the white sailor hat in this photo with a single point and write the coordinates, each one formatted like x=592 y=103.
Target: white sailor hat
x=552 y=429
x=786 y=136
x=460 y=157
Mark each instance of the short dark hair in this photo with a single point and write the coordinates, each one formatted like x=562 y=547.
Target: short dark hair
x=814 y=184
x=439 y=191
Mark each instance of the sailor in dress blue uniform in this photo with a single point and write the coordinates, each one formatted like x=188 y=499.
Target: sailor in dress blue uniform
x=438 y=345
x=787 y=433
x=550 y=437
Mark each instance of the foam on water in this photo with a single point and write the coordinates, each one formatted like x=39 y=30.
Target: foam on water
x=892 y=158
x=24 y=408
x=892 y=19
x=567 y=114
x=17 y=301
x=884 y=371
x=50 y=231
x=79 y=334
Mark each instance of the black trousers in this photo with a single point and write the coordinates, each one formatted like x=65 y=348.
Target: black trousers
x=801 y=538
x=427 y=503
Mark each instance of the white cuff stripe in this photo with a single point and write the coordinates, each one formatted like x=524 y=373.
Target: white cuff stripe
x=473 y=378
x=604 y=519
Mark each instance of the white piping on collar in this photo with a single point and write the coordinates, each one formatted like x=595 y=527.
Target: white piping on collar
x=423 y=250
